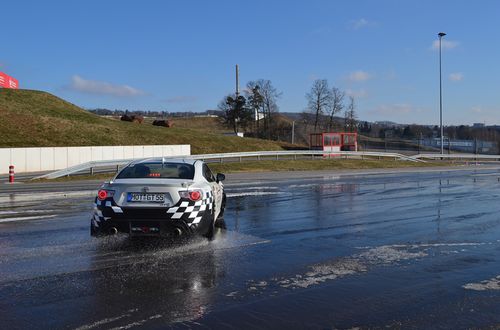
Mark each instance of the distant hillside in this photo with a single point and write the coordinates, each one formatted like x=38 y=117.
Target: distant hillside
x=39 y=119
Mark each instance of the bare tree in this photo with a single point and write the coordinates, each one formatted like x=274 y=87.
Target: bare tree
x=270 y=97
x=350 y=117
x=319 y=99
x=337 y=104
x=226 y=108
x=256 y=103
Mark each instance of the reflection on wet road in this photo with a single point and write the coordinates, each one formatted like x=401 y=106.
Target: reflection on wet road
x=397 y=251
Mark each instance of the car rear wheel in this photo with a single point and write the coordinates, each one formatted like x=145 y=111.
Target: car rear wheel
x=211 y=230
x=211 y=227
x=93 y=229
x=222 y=207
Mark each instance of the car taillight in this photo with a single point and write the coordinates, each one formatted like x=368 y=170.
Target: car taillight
x=194 y=195
x=102 y=194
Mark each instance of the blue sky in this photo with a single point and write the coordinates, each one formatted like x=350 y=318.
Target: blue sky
x=180 y=55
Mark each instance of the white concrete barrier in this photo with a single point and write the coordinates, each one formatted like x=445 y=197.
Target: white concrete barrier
x=56 y=158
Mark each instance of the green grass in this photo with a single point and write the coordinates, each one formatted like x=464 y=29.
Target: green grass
x=316 y=165
x=39 y=119
x=213 y=124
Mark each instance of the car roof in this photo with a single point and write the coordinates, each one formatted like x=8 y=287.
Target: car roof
x=159 y=160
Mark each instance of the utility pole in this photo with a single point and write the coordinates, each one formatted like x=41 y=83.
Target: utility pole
x=441 y=35
x=419 y=141
x=237 y=81
x=293 y=131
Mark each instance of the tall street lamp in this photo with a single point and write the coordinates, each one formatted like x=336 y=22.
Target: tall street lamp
x=441 y=35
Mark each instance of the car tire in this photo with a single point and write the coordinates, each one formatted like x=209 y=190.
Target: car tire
x=222 y=207
x=93 y=230
x=211 y=227
x=219 y=223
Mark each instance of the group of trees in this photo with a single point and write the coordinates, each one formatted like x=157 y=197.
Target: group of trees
x=324 y=104
x=254 y=111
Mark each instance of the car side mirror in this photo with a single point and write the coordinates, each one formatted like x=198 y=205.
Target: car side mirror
x=220 y=177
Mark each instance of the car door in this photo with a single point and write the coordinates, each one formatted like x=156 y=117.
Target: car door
x=216 y=189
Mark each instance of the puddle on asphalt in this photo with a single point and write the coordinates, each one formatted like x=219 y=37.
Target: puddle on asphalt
x=19 y=215
x=252 y=193
x=10 y=212
x=108 y=320
x=35 y=217
x=24 y=197
x=255 y=188
x=135 y=265
x=43 y=206
x=91 y=254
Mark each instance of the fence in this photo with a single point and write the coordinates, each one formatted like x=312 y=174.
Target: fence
x=111 y=165
x=463 y=157
x=237 y=156
x=56 y=158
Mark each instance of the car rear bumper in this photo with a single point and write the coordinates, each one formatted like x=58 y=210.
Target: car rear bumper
x=143 y=227
x=186 y=217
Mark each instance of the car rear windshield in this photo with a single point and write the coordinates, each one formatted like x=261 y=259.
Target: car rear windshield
x=158 y=170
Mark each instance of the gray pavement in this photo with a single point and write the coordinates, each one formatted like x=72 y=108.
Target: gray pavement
x=368 y=249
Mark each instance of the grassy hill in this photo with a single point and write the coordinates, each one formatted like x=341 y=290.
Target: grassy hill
x=39 y=119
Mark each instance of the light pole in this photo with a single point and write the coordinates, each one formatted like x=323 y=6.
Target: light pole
x=441 y=35
x=293 y=131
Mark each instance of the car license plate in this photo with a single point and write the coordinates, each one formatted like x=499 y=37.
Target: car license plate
x=143 y=197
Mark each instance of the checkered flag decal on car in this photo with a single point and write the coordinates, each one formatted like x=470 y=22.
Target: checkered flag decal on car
x=192 y=212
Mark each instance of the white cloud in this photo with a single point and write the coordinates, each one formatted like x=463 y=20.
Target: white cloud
x=182 y=99
x=101 y=87
x=360 y=24
x=359 y=75
x=445 y=44
x=457 y=76
x=357 y=94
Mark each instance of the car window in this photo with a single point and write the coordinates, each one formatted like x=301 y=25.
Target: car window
x=208 y=174
x=157 y=170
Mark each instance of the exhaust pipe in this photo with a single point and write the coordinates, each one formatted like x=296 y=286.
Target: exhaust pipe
x=112 y=231
x=178 y=231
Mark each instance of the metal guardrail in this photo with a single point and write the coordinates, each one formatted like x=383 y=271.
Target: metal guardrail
x=457 y=156
x=90 y=166
x=259 y=155
x=266 y=154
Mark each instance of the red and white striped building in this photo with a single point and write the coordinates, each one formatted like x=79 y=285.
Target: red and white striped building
x=7 y=81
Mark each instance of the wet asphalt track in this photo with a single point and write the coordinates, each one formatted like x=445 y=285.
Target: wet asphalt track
x=408 y=250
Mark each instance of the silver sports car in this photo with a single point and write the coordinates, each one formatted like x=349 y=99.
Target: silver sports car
x=160 y=197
